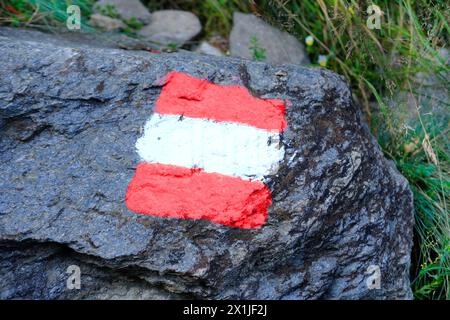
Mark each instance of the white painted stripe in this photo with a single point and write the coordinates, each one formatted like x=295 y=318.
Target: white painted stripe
x=222 y=147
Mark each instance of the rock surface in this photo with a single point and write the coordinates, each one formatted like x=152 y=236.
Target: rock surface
x=280 y=47
x=69 y=120
x=206 y=48
x=106 y=23
x=172 y=27
x=62 y=37
x=127 y=9
x=430 y=94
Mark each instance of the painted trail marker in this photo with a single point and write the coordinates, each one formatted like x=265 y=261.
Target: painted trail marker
x=205 y=152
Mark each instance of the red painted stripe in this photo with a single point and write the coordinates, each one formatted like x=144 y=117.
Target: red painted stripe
x=172 y=191
x=196 y=98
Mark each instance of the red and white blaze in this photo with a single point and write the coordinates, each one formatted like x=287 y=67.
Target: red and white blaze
x=205 y=153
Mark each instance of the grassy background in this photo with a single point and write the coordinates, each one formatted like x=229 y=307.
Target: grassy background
x=383 y=65
x=48 y=13
x=399 y=60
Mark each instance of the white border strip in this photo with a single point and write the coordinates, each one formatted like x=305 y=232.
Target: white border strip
x=222 y=147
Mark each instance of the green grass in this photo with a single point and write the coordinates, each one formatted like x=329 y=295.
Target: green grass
x=421 y=153
x=378 y=64
x=42 y=13
x=258 y=52
x=109 y=11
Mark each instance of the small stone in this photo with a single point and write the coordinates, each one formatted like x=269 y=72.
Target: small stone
x=429 y=94
x=107 y=23
x=172 y=27
x=126 y=9
x=206 y=48
x=279 y=47
x=281 y=73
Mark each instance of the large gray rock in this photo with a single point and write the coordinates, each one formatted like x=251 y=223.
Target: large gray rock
x=45 y=269
x=69 y=120
x=279 y=47
x=172 y=27
x=127 y=9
